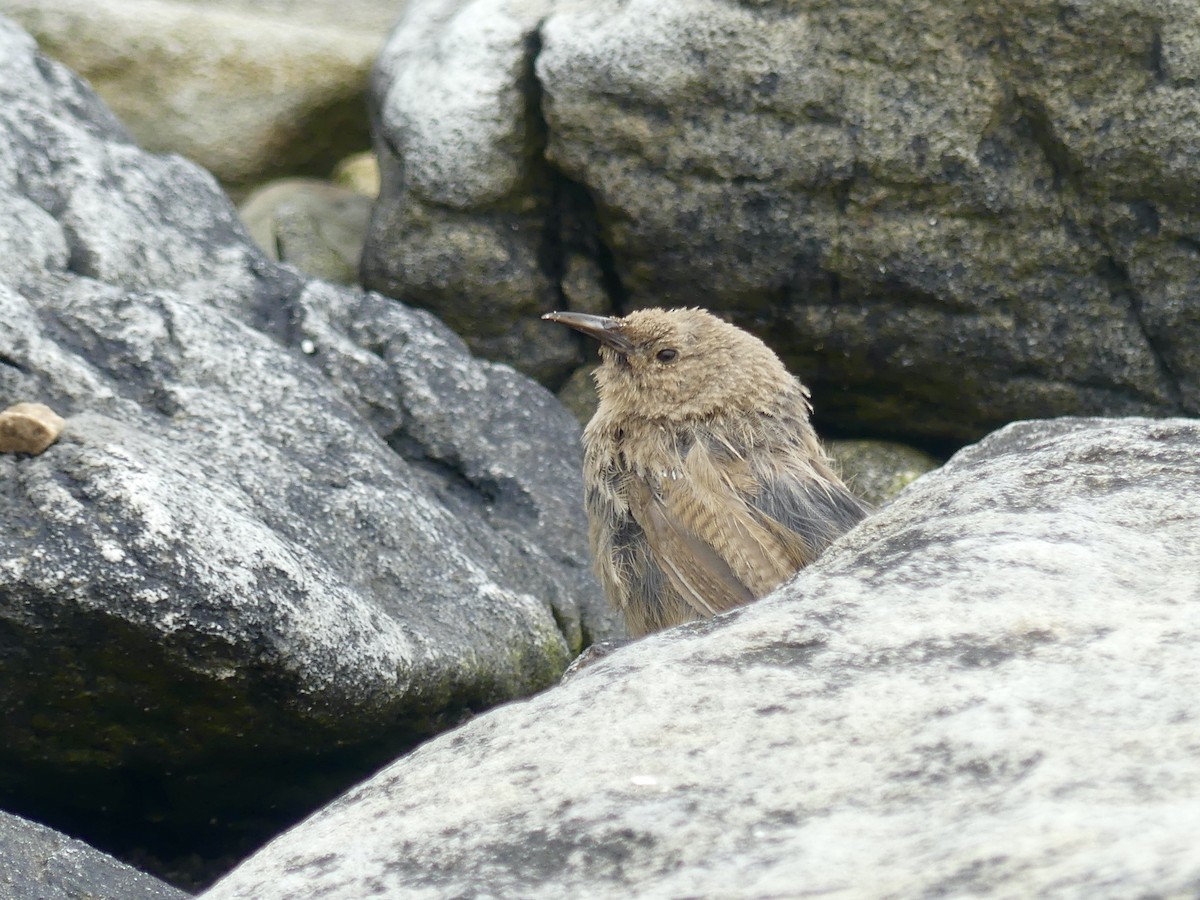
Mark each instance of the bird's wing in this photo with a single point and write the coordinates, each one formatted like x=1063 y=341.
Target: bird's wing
x=801 y=497
x=628 y=570
x=716 y=548
x=788 y=480
x=724 y=529
x=730 y=527
x=705 y=581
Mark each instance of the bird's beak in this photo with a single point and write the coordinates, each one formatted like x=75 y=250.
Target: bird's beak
x=605 y=329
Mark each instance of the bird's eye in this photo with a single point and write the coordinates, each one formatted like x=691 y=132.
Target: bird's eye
x=666 y=355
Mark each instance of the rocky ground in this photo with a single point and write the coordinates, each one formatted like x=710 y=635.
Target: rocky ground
x=986 y=689
x=301 y=513
x=288 y=529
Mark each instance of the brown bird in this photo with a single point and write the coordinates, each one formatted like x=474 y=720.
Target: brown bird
x=706 y=486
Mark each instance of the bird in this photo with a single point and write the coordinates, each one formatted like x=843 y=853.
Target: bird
x=706 y=486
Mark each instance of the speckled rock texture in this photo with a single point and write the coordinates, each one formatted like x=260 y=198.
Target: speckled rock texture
x=288 y=530
x=249 y=89
x=946 y=216
x=38 y=863
x=986 y=689
x=471 y=220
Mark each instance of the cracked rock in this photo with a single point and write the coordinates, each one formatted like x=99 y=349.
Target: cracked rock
x=292 y=529
x=472 y=222
x=944 y=216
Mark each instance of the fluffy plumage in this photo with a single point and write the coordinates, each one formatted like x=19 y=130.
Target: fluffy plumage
x=706 y=486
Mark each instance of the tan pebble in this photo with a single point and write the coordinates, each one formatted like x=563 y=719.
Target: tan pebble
x=360 y=173
x=29 y=428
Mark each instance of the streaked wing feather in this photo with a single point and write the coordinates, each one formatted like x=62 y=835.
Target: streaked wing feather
x=627 y=567
x=693 y=567
x=810 y=503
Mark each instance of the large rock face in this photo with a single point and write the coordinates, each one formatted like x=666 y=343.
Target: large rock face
x=947 y=216
x=288 y=530
x=988 y=688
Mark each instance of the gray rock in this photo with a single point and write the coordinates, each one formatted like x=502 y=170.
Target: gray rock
x=250 y=90
x=288 y=529
x=944 y=217
x=471 y=222
x=987 y=688
x=38 y=863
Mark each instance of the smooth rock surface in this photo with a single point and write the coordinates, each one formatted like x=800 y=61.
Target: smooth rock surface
x=288 y=530
x=38 y=863
x=946 y=216
x=359 y=172
x=986 y=689
x=248 y=90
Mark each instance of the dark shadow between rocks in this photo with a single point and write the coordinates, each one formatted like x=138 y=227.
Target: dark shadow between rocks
x=117 y=739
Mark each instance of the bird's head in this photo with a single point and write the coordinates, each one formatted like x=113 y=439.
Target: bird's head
x=679 y=364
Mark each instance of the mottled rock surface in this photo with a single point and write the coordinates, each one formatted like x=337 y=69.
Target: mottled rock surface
x=879 y=470
x=945 y=216
x=288 y=530
x=471 y=221
x=986 y=689
x=249 y=90
x=38 y=863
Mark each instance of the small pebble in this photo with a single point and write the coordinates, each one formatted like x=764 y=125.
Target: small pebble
x=29 y=428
